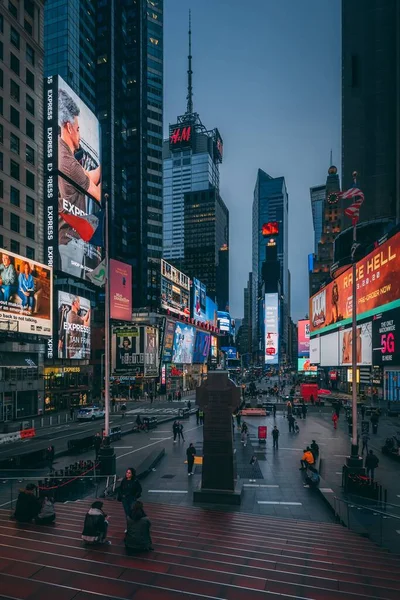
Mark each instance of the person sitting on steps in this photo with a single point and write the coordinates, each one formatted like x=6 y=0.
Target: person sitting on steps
x=138 y=538
x=95 y=525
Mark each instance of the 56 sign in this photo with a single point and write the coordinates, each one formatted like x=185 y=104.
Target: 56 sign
x=384 y=332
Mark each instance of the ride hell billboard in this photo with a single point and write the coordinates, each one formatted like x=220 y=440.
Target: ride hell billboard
x=378 y=289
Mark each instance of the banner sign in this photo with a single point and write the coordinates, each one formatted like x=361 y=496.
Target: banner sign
x=303 y=336
x=135 y=350
x=175 y=290
x=120 y=290
x=74 y=335
x=386 y=338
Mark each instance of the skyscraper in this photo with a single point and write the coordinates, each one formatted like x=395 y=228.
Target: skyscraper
x=317 y=195
x=371 y=104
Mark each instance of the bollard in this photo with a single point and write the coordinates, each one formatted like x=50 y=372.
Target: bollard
x=58 y=419
x=42 y=422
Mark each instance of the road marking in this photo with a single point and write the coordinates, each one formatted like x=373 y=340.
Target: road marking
x=338 y=473
x=159 y=439
x=153 y=444
x=167 y=491
x=297 y=449
x=122 y=447
x=282 y=503
x=259 y=485
x=341 y=455
x=326 y=490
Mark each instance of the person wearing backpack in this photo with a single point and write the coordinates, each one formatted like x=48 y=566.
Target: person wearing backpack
x=371 y=463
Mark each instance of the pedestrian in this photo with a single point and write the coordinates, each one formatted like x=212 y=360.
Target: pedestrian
x=72 y=413
x=129 y=491
x=151 y=397
x=180 y=431
x=50 y=456
x=375 y=422
x=274 y=410
x=275 y=437
x=365 y=440
x=244 y=437
x=190 y=454
x=175 y=428
x=304 y=409
x=307 y=459
x=289 y=408
x=312 y=400
x=201 y=416
x=138 y=538
x=238 y=419
x=95 y=525
x=97 y=441
x=291 y=421
x=314 y=449
x=363 y=408
x=47 y=513
x=139 y=422
x=253 y=460
x=197 y=416
x=335 y=420
x=371 y=463
x=189 y=405
x=28 y=505
x=123 y=410
x=113 y=404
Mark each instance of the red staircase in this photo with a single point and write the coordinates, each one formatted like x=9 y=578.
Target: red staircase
x=198 y=554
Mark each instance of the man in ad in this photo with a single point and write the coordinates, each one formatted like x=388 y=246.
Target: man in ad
x=8 y=279
x=74 y=332
x=72 y=200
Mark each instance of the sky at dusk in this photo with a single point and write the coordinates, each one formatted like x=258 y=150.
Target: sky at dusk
x=267 y=73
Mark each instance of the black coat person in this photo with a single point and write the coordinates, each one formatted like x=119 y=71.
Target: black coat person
x=180 y=432
x=28 y=505
x=190 y=454
x=175 y=429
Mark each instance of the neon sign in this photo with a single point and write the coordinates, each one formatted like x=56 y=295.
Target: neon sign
x=180 y=134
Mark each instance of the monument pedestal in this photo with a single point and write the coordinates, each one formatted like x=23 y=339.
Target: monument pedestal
x=213 y=496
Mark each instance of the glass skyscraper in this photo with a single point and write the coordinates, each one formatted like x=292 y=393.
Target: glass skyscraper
x=317 y=195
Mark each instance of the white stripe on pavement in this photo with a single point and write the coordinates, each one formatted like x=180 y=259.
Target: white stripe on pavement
x=282 y=503
x=259 y=485
x=153 y=443
x=167 y=491
x=326 y=490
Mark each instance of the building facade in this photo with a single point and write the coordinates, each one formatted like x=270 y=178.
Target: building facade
x=317 y=196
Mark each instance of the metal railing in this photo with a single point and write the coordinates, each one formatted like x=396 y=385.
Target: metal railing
x=380 y=526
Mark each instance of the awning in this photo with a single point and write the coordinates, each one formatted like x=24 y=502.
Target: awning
x=18 y=360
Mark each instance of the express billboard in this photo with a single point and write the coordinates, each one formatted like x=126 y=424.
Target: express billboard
x=74 y=334
x=120 y=290
x=386 y=338
x=378 y=289
x=303 y=337
x=183 y=344
x=201 y=347
x=175 y=290
x=363 y=345
x=271 y=327
x=199 y=301
x=72 y=180
x=26 y=294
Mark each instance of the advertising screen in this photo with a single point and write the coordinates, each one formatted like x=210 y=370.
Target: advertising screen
x=72 y=180
x=135 y=350
x=363 y=344
x=386 y=338
x=330 y=350
x=230 y=351
x=303 y=336
x=304 y=364
x=201 y=347
x=120 y=290
x=315 y=351
x=26 y=292
x=214 y=350
x=73 y=326
x=270 y=228
x=151 y=361
x=175 y=290
x=168 y=341
x=224 y=321
x=378 y=285
x=199 y=306
x=183 y=344
x=271 y=329
x=212 y=311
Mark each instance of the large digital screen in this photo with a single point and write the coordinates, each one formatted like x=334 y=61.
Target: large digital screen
x=303 y=336
x=378 y=285
x=330 y=350
x=72 y=181
x=386 y=338
x=120 y=290
x=214 y=350
x=304 y=364
x=315 y=351
x=363 y=345
x=230 y=351
x=175 y=290
x=224 y=321
x=135 y=350
x=26 y=293
x=199 y=301
x=201 y=347
x=73 y=326
x=168 y=341
x=270 y=228
x=271 y=326
x=212 y=312
x=183 y=344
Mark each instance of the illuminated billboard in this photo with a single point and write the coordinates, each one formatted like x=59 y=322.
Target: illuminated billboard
x=120 y=290
x=270 y=228
x=135 y=350
x=212 y=312
x=74 y=336
x=72 y=181
x=168 y=341
x=26 y=293
x=329 y=350
x=271 y=326
x=201 y=347
x=315 y=351
x=363 y=345
x=386 y=339
x=378 y=289
x=304 y=365
x=175 y=290
x=199 y=301
x=180 y=136
x=224 y=321
x=183 y=344
x=303 y=337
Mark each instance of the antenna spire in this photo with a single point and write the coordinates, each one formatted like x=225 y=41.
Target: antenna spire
x=331 y=163
x=189 y=97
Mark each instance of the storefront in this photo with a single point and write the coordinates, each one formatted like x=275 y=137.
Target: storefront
x=67 y=387
x=21 y=387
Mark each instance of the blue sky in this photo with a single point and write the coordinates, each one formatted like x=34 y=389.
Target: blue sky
x=267 y=73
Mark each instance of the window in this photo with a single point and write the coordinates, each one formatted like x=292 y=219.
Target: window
x=14 y=37
x=14 y=245
x=30 y=104
x=14 y=116
x=14 y=169
x=1 y=78
x=30 y=253
x=30 y=155
x=30 y=205
x=1 y=188
x=13 y=9
x=1 y=133
x=30 y=230
x=1 y=24
x=14 y=196
x=30 y=129
x=1 y=215
x=28 y=27
x=30 y=8
x=1 y=162
x=14 y=63
x=30 y=179
x=30 y=79
x=1 y=105
x=30 y=55
x=14 y=143
x=14 y=90
x=14 y=222
x=1 y=51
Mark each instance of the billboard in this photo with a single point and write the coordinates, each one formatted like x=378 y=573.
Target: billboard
x=120 y=290
x=271 y=326
x=135 y=350
x=168 y=341
x=329 y=350
x=183 y=344
x=199 y=301
x=72 y=180
x=378 y=285
x=304 y=364
x=180 y=136
x=175 y=290
x=73 y=326
x=230 y=351
x=224 y=321
x=270 y=228
x=26 y=294
x=214 y=350
x=386 y=339
x=201 y=347
x=363 y=345
x=211 y=310
x=303 y=336
x=315 y=351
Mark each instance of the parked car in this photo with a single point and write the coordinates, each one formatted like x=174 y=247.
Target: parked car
x=90 y=413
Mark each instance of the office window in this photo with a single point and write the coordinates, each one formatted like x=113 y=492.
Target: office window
x=30 y=104
x=13 y=9
x=14 y=169
x=1 y=133
x=1 y=78
x=14 y=90
x=1 y=105
x=30 y=179
x=14 y=63
x=14 y=116
x=1 y=188
x=29 y=6
x=28 y=27
x=14 y=222
x=1 y=51
x=14 y=196
x=1 y=162
x=30 y=205
x=30 y=253
x=14 y=143
x=30 y=155
x=1 y=24
x=30 y=129
x=1 y=215
x=30 y=55
x=14 y=246
x=14 y=37
x=30 y=79
x=30 y=230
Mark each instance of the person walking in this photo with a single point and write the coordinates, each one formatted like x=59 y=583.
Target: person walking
x=238 y=419
x=97 y=441
x=175 y=428
x=123 y=410
x=244 y=437
x=129 y=491
x=291 y=421
x=201 y=416
x=275 y=437
x=197 y=416
x=371 y=463
x=304 y=409
x=190 y=454
x=72 y=413
x=50 y=456
x=335 y=419
x=180 y=431
x=274 y=411
x=375 y=422
x=365 y=439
